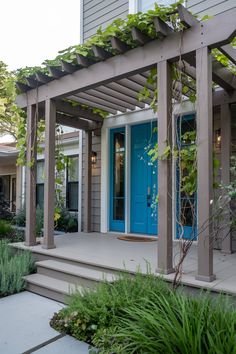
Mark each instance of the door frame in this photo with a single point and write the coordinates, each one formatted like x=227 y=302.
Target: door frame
x=127 y=120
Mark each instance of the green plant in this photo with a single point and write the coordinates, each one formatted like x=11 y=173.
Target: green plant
x=10 y=233
x=19 y=218
x=67 y=221
x=39 y=221
x=142 y=314
x=13 y=266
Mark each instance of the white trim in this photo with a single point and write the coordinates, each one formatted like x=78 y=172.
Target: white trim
x=133 y=6
x=127 y=177
x=129 y=118
x=80 y=181
x=81 y=21
x=104 y=179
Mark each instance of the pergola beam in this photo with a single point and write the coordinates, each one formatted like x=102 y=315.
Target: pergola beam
x=56 y=73
x=110 y=98
x=66 y=107
x=139 y=37
x=91 y=103
x=229 y=52
x=186 y=18
x=223 y=77
x=102 y=102
x=162 y=29
x=120 y=96
x=77 y=123
x=68 y=67
x=100 y=52
x=138 y=59
x=130 y=94
x=118 y=45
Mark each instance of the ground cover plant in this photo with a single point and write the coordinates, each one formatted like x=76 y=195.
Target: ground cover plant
x=145 y=315
x=13 y=266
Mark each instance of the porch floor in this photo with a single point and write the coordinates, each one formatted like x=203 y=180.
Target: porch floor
x=107 y=251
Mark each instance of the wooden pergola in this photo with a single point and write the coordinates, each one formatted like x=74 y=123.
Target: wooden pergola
x=112 y=82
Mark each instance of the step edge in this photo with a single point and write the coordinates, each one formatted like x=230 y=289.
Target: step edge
x=52 y=288
x=51 y=267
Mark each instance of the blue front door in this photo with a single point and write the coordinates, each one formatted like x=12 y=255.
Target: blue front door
x=143 y=183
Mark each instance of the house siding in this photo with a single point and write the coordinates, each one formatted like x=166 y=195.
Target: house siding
x=96 y=184
x=98 y=13
x=209 y=7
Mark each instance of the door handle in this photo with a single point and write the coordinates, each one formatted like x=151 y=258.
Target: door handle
x=148 y=197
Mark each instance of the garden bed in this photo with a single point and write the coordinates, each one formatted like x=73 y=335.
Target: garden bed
x=142 y=314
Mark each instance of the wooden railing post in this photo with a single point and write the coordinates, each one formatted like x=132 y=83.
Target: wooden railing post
x=165 y=242
x=49 y=183
x=204 y=164
x=31 y=158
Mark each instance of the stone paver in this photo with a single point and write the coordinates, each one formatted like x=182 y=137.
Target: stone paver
x=24 y=322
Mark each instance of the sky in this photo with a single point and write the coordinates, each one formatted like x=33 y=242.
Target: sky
x=32 y=31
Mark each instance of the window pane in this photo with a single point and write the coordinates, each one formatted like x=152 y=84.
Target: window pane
x=72 y=196
x=118 y=209
x=73 y=165
x=118 y=176
x=40 y=195
x=5 y=188
x=145 y=5
x=40 y=172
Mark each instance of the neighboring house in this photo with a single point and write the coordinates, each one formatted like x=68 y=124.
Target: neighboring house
x=12 y=177
x=118 y=189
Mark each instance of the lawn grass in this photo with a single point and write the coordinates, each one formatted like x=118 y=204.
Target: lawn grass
x=142 y=314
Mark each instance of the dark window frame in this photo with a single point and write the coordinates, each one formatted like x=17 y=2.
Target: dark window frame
x=71 y=183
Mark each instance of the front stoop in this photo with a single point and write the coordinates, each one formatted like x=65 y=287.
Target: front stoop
x=57 y=280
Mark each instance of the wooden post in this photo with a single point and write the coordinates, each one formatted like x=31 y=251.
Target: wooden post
x=31 y=157
x=205 y=164
x=225 y=121
x=49 y=183
x=165 y=263
x=88 y=181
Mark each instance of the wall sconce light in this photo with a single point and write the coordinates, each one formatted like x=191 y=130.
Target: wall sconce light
x=94 y=158
x=218 y=138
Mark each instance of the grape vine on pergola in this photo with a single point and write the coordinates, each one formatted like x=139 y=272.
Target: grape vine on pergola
x=111 y=81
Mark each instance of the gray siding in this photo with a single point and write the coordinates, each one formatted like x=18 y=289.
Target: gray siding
x=96 y=185
x=100 y=13
x=210 y=7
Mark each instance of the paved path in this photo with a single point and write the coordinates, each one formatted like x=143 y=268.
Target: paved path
x=24 y=327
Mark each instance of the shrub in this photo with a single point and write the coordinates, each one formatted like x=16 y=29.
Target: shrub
x=7 y=231
x=144 y=315
x=13 y=266
x=67 y=221
x=19 y=218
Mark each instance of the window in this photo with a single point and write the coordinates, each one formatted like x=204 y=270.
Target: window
x=5 y=189
x=72 y=183
x=145 y=5
x=40 y=184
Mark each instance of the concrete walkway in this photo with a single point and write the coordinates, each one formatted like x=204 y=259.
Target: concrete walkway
x=24 y=327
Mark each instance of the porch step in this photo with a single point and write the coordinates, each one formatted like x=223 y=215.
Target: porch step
x=74 y=274
x=50 y=287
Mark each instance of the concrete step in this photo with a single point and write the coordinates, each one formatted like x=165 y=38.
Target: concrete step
x=74 y=274
x=55 y=289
